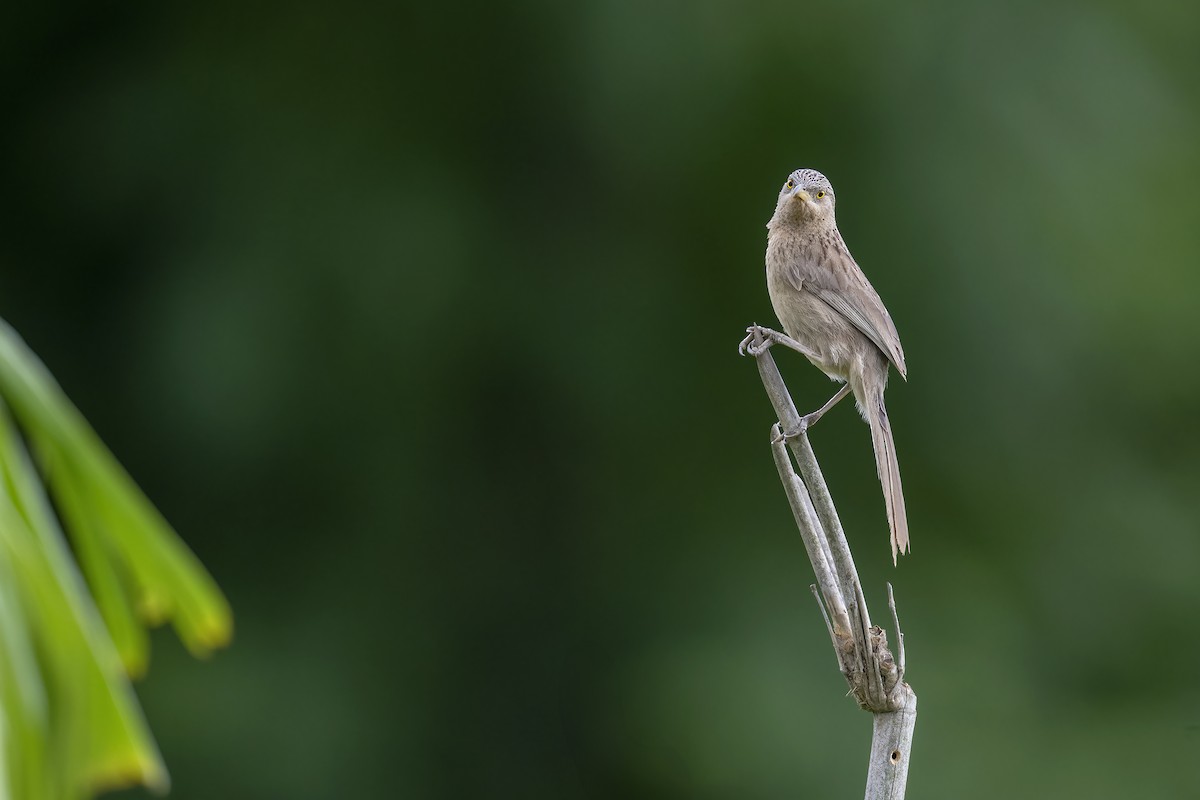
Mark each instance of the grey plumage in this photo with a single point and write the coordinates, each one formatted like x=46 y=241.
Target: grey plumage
x=825 y=303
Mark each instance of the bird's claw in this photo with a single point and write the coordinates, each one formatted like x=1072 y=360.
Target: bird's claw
x=787 y=436
x=749 y=347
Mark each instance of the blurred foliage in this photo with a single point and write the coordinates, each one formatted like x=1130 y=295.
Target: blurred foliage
x=421 y=321
x=69 y=719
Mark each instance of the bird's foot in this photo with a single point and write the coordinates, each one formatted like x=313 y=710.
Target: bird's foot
x=758 y=340
x=795 y=433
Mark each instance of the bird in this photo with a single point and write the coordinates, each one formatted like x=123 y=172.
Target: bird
x=832 y=314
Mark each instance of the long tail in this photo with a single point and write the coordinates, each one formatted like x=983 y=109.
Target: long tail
x=889 y=469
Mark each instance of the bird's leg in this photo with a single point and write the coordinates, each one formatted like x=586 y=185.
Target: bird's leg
x=768 y=338
x=808 y=420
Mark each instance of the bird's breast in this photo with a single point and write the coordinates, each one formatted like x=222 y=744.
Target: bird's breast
x=792 y=269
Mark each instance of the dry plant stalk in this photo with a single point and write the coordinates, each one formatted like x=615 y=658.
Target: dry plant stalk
x=875 y=677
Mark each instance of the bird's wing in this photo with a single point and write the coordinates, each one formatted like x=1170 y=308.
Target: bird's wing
x=847 y=291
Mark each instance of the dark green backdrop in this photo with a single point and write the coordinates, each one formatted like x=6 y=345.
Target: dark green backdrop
x=420 y=325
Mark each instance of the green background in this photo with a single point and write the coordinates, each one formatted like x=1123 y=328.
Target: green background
x=420 y=325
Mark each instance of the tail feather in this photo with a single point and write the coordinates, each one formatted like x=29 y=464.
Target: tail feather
x=889 y=473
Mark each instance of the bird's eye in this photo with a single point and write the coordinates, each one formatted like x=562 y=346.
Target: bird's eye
x=791 y=184
x=820 y=194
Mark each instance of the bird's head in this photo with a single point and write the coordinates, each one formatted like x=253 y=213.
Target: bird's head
x=805 y=199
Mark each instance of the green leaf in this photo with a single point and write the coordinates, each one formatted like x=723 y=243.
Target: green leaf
x=92 y=734
x=70 y=633
x=127 y=548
